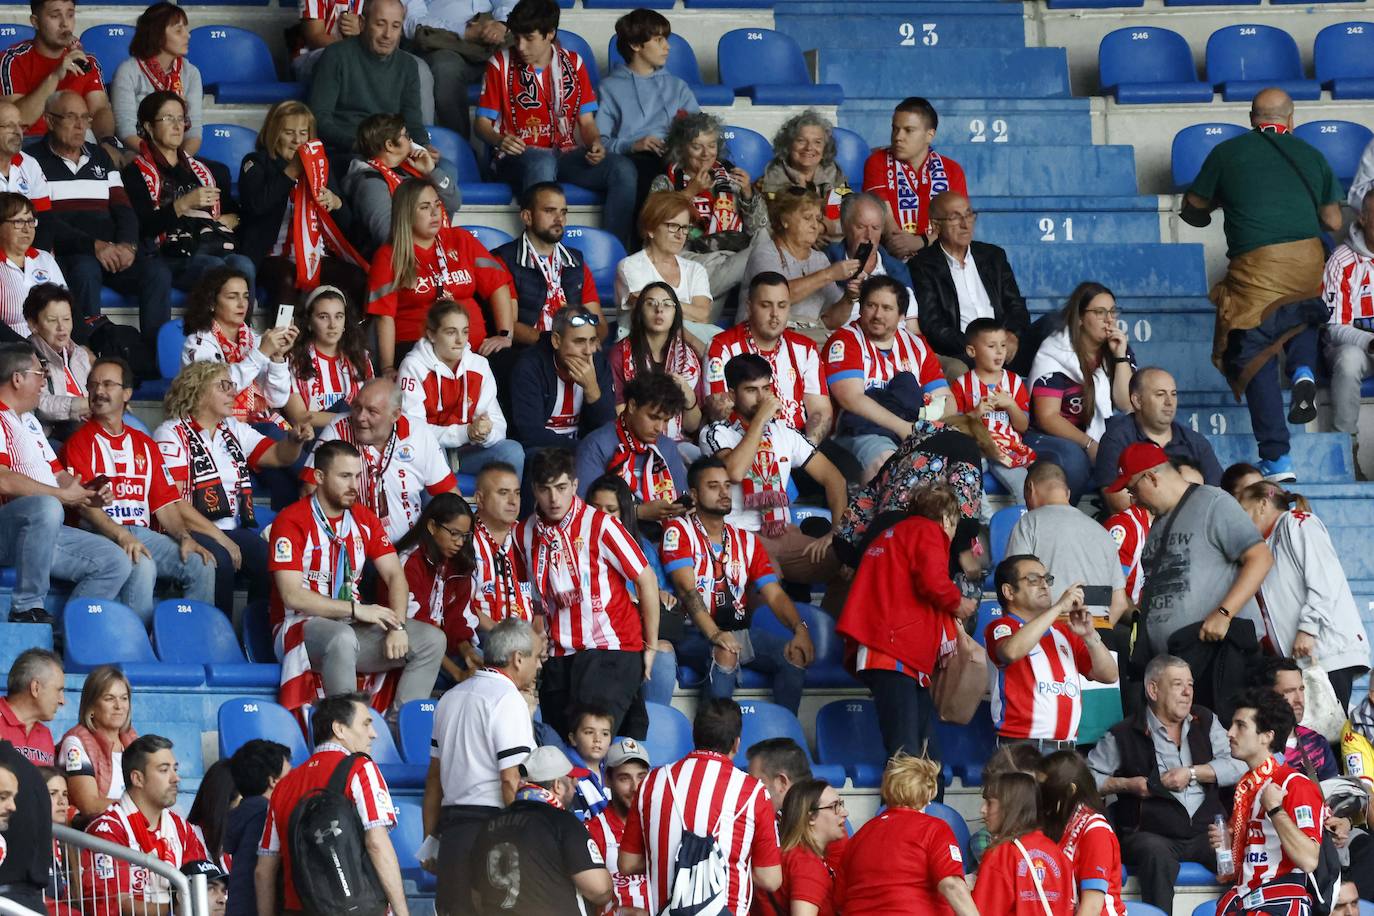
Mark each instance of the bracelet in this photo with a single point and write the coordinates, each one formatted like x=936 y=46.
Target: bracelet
x=1275 y=811
x=1225 y=613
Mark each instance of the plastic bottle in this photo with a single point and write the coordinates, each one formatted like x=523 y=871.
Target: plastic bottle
x=1226 y=865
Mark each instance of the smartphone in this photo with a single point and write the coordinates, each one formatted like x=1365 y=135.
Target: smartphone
x=685 y=501
x=284 y=315
x=862 y=255
x=98 y=483
x=1097 y=596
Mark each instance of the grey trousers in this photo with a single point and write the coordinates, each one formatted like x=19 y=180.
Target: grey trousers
x=340 y=651
x=1350 y=365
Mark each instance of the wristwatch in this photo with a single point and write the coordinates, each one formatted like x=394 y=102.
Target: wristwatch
x=1192 y=776
x=500 y=333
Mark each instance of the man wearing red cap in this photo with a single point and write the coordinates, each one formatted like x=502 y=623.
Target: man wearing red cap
x=1203 y=561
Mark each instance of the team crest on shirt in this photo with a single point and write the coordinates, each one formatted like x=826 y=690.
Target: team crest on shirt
x=406 y=452
x=98 y=171
x=579 y=544
x=670 y=539
x=836 y=351
x=41 y=276
x=281 y=550
x=1001 y=631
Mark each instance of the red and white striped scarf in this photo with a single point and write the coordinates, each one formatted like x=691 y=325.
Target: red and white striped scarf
x=250 y=404
x=393 y=178
x=717 y=209
x=312 y=228
x=656 y=481
x=1247 y=792
x=914 y=189
x=150 y=160
x=762 y=487
x=565 y=101
x=555 y=559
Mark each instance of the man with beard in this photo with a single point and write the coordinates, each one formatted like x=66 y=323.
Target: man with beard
x=20 y=172
x=105 y=447
x=713 y=567
x=626 y=766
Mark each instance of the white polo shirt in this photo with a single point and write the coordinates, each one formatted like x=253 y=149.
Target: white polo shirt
x=26 y=177
x=481 y=727
x=973 y=296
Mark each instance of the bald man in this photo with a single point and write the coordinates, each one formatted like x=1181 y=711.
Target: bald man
x=960 y=279
x=1278 y=195
x=19 y=172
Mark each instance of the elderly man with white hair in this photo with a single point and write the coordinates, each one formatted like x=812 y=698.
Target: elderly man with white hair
x=861 y=223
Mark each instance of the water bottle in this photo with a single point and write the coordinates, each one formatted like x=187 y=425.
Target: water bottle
x=1226 y=864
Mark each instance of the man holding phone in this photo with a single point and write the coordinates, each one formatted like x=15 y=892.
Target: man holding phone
x=861 y=223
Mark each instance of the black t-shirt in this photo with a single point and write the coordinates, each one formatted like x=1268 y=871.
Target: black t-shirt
x=525 y=858
x=26 y=845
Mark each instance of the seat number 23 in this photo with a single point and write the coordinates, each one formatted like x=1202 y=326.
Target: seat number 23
x=910 y=37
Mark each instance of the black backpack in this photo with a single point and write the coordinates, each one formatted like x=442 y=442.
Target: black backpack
x=108 y=338
x=330 y=866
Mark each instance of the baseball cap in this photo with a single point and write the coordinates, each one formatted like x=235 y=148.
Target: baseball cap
x=625 y=750
x=545 y=764
x=1136 y=457
x=210 y=870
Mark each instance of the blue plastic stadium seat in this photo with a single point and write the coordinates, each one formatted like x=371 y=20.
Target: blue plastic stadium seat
x=827 y=669
x=236 y=67
x=244 y=718
x=257 y=633
x=1141 y=908
x=416 y=725
x=475 y=191
x=1343 y=57
x=11 y=33
x=195 y=633
x=1205 y=908
x=1149 y=65
x=227 y=143
x=1341 y=142
x=100 y=631
x=670 y=734
x=626 y=4
x=1211 y=2
x=682 y=63
x=489 y=237
x=746 y=148
x=966 y=748
x=467 y=483
x=1092 y=4
x=999 y=532
x=601 y=250
x=17 y=637
x=109 y=45
x=729 y=4
x=988 y=610
x=768 y=720
x=1194 y=874
x=847 y=735
x=571 y=41
x=767 y=67
x=1191 y=146
x=407 y=838
x=1243 y=59
x=395 y=769
x=957 y=825
x=851 y=152
x=802 y=513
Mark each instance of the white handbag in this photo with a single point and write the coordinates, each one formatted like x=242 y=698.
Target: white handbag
x=1323 y=713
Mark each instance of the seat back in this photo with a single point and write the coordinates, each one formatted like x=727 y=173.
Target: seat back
x=11 y=33
x=760 y=57
x=1205 y=908
x=767 y=720
x=384 y=749
x=490 y=238
x=1144 y=54
x=746 y=148
x=228 y=54
x=571 y=41
x=101 y=631
x=988 y=611
x=1141 y=908
x=447 y=142
x=245 y=718
x=257 y=634
x=851 y=152
x=408 y=836
x=416 y=723
x=682 y=60
x=1343 y=51
x=1191 y=146
x=1252 y=52
x=957 y=826
x=227 y=143
x=847 y=732
x=1341 y=142
x=601 y=250
x=669 y=738
x=999 y=531
x=108 y=44
x=171 y=337
x=194 y=632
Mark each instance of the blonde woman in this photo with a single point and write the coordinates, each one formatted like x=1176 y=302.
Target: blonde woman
x=90 y=752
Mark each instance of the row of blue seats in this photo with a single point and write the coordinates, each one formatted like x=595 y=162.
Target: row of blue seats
x=1341 y=142
x=1149 y=64
x=1111 y=4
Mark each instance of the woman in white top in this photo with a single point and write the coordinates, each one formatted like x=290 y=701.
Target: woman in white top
x=48 y=312
x=329 y=360
x=663 y=224
x=91 y=751
x=216 y=325
x=22 y=267
x=157 y=63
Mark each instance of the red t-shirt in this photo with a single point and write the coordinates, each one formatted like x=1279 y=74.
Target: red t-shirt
x=868 y=883
x=533 y=97
x=806 y=878
x=1007 y=888
x=35 y=744
x=908 y=193
x=1092 y=850
x=23 y=68
x=467 y=271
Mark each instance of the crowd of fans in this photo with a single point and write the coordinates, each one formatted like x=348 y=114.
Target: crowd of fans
x=648 y=463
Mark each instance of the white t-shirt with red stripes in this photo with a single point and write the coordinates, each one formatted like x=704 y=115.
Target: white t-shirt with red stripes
x=1348 y=288
x=24 y=448
x=1040 y=695
x=605 y=558
x=131 y=460
x=685 y=547
x=713 y=797
x=850 y=353
x=1128 y=529
x=606 y=829
x=496 y=596
x=567 y=411
x=449 y=399
x=334 y=380
x=969 y=391
x=1265 y=858
x=795 y=361
x=176 y=457
x=105 y=878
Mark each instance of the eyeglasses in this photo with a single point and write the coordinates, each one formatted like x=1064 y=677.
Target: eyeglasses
x=836 y=808
x=72 y=115
x=169 y=120
x=1101 y=313
x=662 y=305
x=677 y=228
x=105 y=386
x=459 y=536
x=586 y=318
x=23 y=222
x=1035 y=580
x=968 y=217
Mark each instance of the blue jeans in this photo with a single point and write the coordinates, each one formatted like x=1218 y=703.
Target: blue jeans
x=254 y=569
x=615 y=176
x=662 y=679
x=192 y=579
x=696 y=651
x=186 y=272
x=1264 y=397
x=1070 y=456
x=148 y=278
x=472 y=458
x=42 y=548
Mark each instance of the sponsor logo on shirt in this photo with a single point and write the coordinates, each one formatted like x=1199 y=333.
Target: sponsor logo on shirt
x=1057 y=688
x=281 y=550
x=73 y=760
x=1001 y=631
x=1302 y=816
x=954 y=853
x=594 y=853
x=836 y=351
x=670 y=539
x=104 y=864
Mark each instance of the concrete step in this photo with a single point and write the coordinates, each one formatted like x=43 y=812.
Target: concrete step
x=1317 y=458
x=1066 y=227
x=977 y=121
x=1071 y=171
x=975 y=73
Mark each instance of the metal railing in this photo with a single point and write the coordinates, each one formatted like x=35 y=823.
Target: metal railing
x=152 y=887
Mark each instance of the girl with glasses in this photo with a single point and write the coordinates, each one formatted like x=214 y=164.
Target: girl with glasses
x=24 y=267
x=658 y=343
x=812 y=826
x=157 y=63
x=664 y=226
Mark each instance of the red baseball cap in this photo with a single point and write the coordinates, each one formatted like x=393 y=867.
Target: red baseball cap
x=1136 y=457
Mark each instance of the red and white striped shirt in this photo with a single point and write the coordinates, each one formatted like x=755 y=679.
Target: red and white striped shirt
x=1091 y=846
x=302 y=543
x=1264 y=858
x=449 y=399
x=24 y=448
x=1348 y=287
x=105 y=878
x=131 y=460
x=568 y=410
x=500 y=584
x=334 y=380
x=329 y=11
x=365 y=788
x=796 y=368
x=850 y=353
x=1038 y=696
x=969 y=391
x=747 y=563
x=409 y=465
x=16 y=281
x=604 y=558
x=1128 y=529
x=712 y=797
x=606 y=829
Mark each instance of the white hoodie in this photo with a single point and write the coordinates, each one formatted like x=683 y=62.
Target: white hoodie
x=430 y=390
x=1056 y=355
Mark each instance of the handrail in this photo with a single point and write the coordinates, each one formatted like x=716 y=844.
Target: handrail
x=188 y=893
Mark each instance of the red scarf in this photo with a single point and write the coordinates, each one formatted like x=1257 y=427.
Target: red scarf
x=564 y=103
x=913 y=189
x=762 y=487
x=163 y=80
x=312 y=228
x=1271 y=128
x=149 y=842
x=1247 y=794
x=149 y=163
x=250 y=404
x=717 y=209
x=678 y=360
x=555 y=559
x=393 y=178
x=656 y=481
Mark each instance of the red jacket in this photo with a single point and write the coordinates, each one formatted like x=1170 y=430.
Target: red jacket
x=902 y=597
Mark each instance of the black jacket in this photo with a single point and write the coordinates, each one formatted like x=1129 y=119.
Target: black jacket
x=533 y=389
x=158 y=217
x=939 y=300
x=29 y=835
x=264 y=193
x=531 y=289
x=1160 y=812
x=242 y=832
x=1222 y=669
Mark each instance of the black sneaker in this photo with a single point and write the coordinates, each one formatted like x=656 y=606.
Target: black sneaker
x=1302 y=402
x=33 y=615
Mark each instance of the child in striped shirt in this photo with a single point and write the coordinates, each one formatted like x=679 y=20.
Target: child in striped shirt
x=999 y=398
